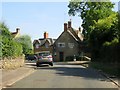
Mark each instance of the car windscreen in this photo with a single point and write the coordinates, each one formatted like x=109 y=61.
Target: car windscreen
x=44 y=54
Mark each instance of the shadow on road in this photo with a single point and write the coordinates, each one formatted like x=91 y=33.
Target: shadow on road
x=33 y=65
x=75 y=71
x=69 y=69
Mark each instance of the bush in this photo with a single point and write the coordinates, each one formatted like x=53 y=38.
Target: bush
x=8 y=46
x=0 y=47
x=26 y=43
x=11 y=48
x=113 y=42
x=110 y=52
x=17 y=49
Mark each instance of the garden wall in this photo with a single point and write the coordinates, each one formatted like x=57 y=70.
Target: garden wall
x=12 y=63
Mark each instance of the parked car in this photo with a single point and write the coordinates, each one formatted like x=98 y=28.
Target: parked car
x=44 y=57
x=31 y=57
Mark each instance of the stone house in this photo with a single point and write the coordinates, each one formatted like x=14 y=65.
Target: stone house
x=43 y=44
x=68 y=43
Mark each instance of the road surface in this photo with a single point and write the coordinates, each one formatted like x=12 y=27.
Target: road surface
x=63 y=76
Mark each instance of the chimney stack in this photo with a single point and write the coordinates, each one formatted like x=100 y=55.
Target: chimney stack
x=17 y=30
x=79 y=29
x=65 y=26
x=45 y=35
x=69 y=24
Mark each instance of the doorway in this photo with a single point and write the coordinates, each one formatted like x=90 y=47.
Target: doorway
x=61 y=56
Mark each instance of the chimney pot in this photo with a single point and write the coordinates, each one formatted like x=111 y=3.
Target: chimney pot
x=69 y=24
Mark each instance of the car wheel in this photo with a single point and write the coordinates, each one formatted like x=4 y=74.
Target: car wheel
x=37 y=65
x=51 y=64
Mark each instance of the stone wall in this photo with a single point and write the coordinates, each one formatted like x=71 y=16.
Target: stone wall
x=12 y=63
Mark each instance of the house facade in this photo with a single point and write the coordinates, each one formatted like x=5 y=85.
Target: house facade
x=43 y=44
x=68 y=43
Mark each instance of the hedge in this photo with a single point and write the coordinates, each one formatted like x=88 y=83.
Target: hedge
x=9 y=48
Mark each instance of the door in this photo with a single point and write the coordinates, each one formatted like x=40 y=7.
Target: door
x=61 y=56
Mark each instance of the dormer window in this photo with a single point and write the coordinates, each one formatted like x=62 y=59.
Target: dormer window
x=37 y=46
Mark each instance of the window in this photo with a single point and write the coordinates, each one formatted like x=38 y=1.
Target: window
x=61 y=44
x=70 y=45
x=46 y=45
x=37 y=46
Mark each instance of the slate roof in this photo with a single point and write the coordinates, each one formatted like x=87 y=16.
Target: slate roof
x=73 y=35
x=42 y=41
x=79 y=35
x=76 y=34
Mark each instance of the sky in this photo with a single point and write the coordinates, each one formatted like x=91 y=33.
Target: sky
x=34 y=18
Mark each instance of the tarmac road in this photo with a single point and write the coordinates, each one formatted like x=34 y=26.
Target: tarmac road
x=63 y=76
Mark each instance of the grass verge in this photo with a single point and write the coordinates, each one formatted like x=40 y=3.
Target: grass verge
x=108 y=68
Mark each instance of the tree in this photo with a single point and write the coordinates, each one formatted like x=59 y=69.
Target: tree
x=9 y=48
x=26 y=43
x=107 y=27
x=104 y=37
x=5 y=38
x=4 y=30
x=100 y=25
x=119 y=23
x=90 y=12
